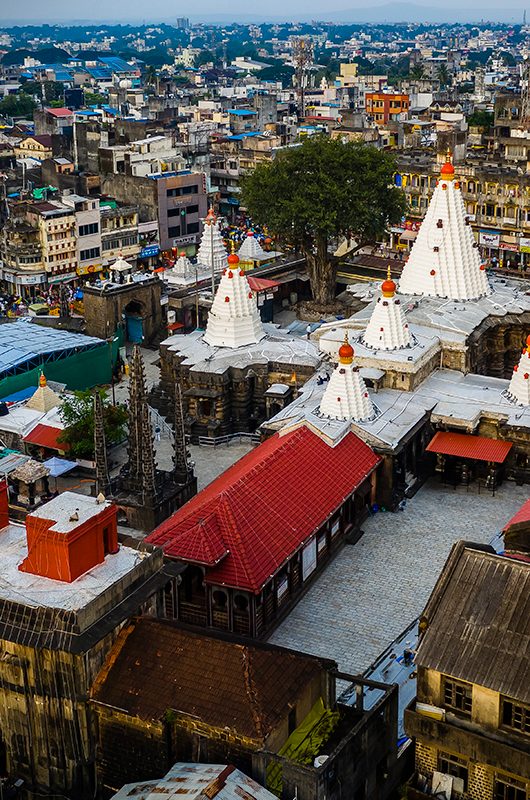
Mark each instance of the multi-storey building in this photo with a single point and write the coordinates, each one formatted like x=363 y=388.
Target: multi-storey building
x=471 y=719
x=119 y=232
x=56 y=224
x=87 y=233
x=385 y=106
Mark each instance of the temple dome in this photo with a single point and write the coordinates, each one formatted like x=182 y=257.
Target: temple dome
x=234 y=319
x=346 y=396
x=445 y=260
x=387 y=327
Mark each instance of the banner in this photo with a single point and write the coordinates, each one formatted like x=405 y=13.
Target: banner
x=489 y=238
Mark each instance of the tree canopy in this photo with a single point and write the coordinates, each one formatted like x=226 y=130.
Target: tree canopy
x=321 y=190
x=77 y=414
x=18 y=105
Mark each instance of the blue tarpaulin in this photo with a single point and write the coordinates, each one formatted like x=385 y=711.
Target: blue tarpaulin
x=59 y=466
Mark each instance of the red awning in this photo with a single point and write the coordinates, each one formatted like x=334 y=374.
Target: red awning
x=175 y=326
x=46 y=436
x=261 y=284
x=466 y=446
x=523 y=515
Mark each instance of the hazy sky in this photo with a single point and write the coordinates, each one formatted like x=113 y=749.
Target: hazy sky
x=65 y=11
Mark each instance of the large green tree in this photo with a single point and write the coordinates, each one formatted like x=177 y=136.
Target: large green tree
x=324 y=189
x=18 y=105
x=77 y=415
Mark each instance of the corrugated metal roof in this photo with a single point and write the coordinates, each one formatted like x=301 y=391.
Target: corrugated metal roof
x=21 y=341
x=478 y=621
x=46 y=436
x=523 y=515
x=467 y=446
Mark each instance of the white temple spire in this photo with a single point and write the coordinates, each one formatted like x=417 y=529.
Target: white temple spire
x=346 y=395
x=387 y=328
x=251 y=250
x=445 y=260
x=519 y=388
x=234 y=319
x=212 y=243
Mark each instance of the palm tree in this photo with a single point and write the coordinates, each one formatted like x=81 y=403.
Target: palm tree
x=417 y=72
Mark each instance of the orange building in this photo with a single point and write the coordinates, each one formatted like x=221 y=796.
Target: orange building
x=69 y=536
x=383 y=107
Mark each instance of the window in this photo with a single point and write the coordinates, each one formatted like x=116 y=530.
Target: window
x=515 y=716
x=453 y=765
x=92 y=252
x=174 y=231
x=193 y=227
x=173 y=212
x=506 y=788
x=192 y=209
x=86 y=230
x=182 y=190
x=458 y=696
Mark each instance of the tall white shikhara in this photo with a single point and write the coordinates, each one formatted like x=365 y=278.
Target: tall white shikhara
x=346 y=395
x=519 y=388
x=212 y=246
x=234 y=319
x=387 y=328
x=445 y=259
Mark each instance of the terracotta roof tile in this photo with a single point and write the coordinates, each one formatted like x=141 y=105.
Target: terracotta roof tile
x=249 y=521
x=156 y=666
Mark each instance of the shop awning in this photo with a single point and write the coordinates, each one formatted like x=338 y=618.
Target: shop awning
x=261 y=284
x=408 y=236
x=465 y=445
x=46 y=436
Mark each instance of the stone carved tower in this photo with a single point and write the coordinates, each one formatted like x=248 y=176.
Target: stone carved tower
x=100 y=448
x=142 y=466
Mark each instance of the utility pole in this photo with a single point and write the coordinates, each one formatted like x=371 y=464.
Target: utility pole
x=212 y=259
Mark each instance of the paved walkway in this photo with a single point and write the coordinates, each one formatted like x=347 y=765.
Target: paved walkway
x=375 y=588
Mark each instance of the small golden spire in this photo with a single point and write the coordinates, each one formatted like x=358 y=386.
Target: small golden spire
x=389 y=273
x=42 y=379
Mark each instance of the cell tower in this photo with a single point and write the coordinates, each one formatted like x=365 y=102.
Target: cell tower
x=525 y=94
x=302 y=48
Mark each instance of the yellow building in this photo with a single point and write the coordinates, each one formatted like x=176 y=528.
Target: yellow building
x=348 y=73
x=39 y=147
x=471 y=719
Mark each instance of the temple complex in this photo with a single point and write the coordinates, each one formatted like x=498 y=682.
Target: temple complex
x=434 y=364
x=239 y=371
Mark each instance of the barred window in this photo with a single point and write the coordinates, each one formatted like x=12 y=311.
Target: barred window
x=515 y=716
x=458 y=696
x=506 y=788
x=453 y=765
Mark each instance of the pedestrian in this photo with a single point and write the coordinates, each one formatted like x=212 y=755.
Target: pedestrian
x=157 y=434
x=308 y=331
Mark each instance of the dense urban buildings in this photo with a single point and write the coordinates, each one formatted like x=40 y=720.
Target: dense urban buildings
x=265 y=409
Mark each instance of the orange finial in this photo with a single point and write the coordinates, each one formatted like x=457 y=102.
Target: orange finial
x=448 y=171
x=388 y=287
x=43 y=382
x=528 y=344
x=233 y=258
x=346 y=352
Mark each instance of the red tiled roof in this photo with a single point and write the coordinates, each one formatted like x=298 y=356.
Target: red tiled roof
x=466 y=446
x=46 y=436
x=60 y=112
x=252 y=518
x=523 y=515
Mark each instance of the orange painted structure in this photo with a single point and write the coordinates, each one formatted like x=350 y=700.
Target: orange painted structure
x=383 y=107
x=63 y=549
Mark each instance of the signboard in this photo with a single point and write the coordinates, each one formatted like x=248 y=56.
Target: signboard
x=511 y=247
x=89 y=269
x=524 y=245
x=489 y=238
x=149 y=251
x=184 y=240
x=67 y=276
x=31 y=280
x=309 y=558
